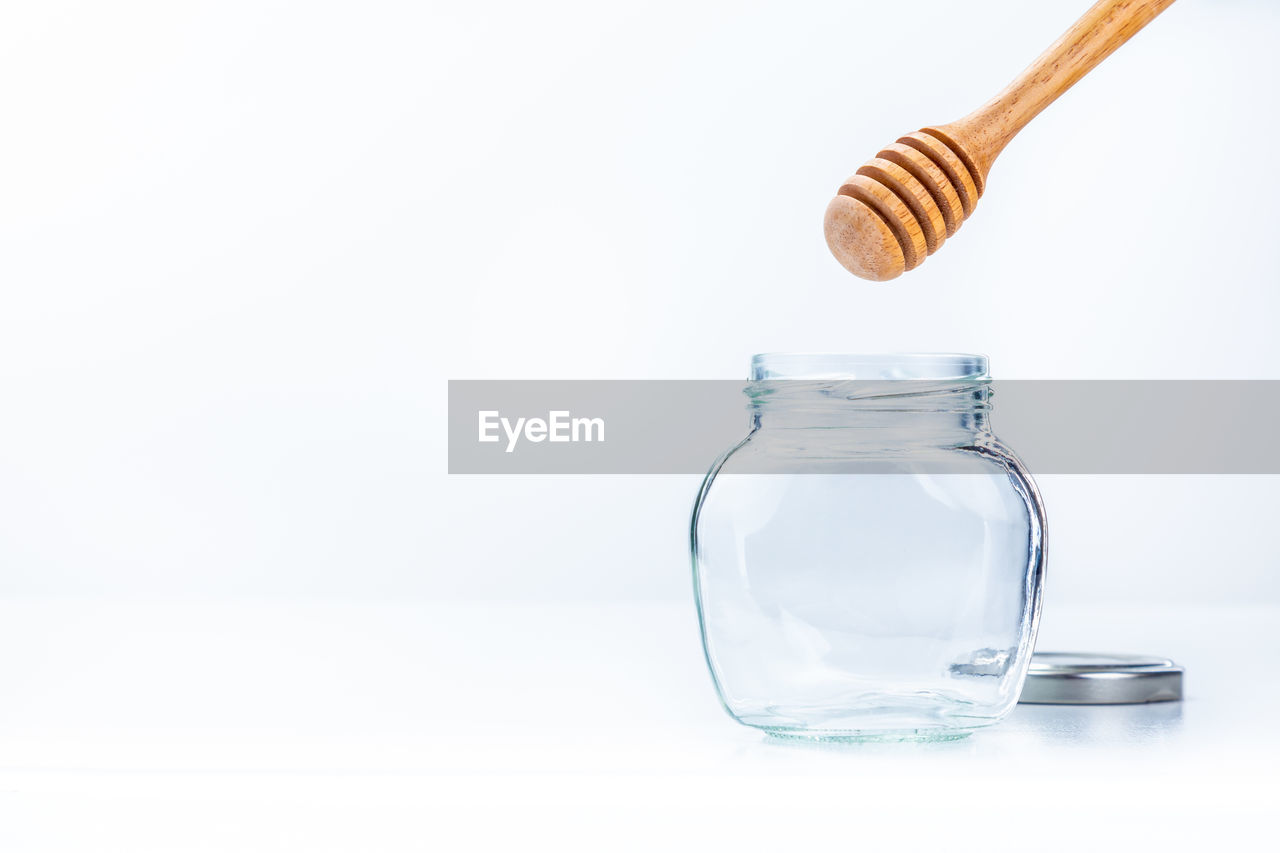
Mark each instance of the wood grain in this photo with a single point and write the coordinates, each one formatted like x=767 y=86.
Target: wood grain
x=924 y=185
x=984 y=133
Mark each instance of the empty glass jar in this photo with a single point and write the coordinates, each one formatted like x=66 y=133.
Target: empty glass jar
x=868 y=560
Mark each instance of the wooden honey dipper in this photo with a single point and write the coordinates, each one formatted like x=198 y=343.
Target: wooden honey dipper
x=900 y=207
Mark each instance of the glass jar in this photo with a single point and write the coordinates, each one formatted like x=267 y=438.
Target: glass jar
x=868 y=560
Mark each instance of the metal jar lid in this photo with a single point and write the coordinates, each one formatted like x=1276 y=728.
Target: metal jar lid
x=1078 y=678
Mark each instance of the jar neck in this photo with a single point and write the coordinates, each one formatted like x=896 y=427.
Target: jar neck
x=935 y=412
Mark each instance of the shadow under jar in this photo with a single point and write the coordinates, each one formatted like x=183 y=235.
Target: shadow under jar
x=868 y=561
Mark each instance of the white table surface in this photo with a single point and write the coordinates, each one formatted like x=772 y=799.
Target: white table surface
x=280 y=725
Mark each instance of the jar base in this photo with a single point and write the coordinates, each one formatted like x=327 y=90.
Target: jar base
x=869 y=736
x=871 y=717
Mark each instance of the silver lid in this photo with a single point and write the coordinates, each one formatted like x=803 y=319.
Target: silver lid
x=1078 y=678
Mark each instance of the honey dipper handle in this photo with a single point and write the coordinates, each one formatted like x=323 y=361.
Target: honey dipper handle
x=1102 y=29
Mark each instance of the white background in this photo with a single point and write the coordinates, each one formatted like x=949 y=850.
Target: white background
x=244 y=245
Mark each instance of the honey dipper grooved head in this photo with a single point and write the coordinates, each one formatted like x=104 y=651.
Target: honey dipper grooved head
x=902 y=205
x=861 y=240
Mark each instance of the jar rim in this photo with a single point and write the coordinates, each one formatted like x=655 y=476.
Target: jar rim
x=868 y=366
